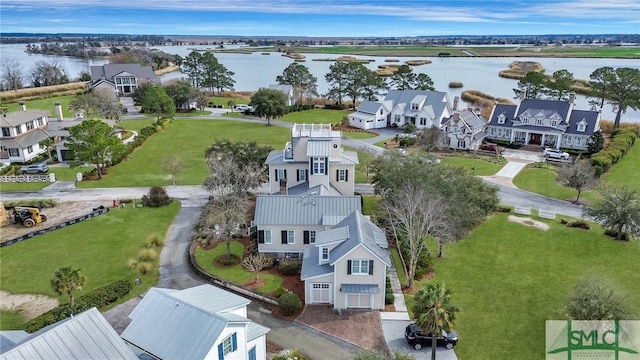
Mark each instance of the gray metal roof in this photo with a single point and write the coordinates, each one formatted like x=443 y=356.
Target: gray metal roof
x=332 y=235
x=361 y=232
x=254 y=331
x=302 y=210
x=276 y=157
x=549 y=107
x=84 y=336
x=16 y=118
x=359 y=288
x=29 y=138
x=361 y=115
x=108 y=71
x=182 y=324
x=311 y=264
x=369 y=107
x=9 y=338
x=316 y=148
x=508 y=111
x=590 y=117
x=438 y=100
x=284 y=88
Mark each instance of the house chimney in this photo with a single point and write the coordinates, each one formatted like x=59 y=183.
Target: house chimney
x=572 y=97
x=523 y=94
x=23 y=105
x=456 y=100
x=58 y=110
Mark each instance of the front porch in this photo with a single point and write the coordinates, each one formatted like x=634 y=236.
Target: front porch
x=542 y=139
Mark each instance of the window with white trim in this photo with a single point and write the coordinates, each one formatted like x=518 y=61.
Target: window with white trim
x=18 y=130
x=582 y=127
x=501 y=119
x=396 y=118
x=6 y=131
x=414 y=106
x=282 y=174
x=312 y=236
x=291 y=236
x=13 y=152
x=568 y=140
x=359 y=267
x=29 y=149
x=29 y=125
x=578 y=140
x=493 y=131
x=318 y=166
x=267 y=236
x=325 y=253
x=423 y=121
x=342 y=175
x=40 y=121
x=302 y=175
x=538 y=121
x=227 y=345
x=554 y=123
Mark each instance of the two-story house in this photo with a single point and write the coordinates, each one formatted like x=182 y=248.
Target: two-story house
x=287 y=90
x=122 y=79
x=202 y=322
x=286 y=225
x=313 y=157
x=465 y=130
x=347 y=265
x=547 y=123
x=424 y=109
x=22 y=132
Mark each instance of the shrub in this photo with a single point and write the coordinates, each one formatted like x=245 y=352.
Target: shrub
x=503 y=208
x=289 y=303
x=614 y=234
x=409 y=128
x=144 y=268
x=621 y=146
x=132 y=263
x=157 y=197
x=290 y=266
x=147 y=255
x=149 y=130
x=581 y=224
x=601 y=160
x=564 y=221
x=155 y=241
x=280 y=290
x=614 y=154
x=455 y=85
x=389 y=299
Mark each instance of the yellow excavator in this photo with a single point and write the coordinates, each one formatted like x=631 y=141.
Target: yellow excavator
x=28 y=216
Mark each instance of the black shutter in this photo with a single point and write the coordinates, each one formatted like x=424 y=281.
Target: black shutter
x=348 y=267
x=346 y=175
x=306 y=175
x=306 y=236
x=338 y=175
x=260 y=236
x=311 y=165
x=370 y=267
x=276 y=172
x=285 y=174
x=326 y=166
x=283 y=233
x=297 y=175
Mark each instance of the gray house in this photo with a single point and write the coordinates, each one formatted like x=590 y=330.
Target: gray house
x=122 y=79
x=286 y=225
x=22 y=132
x=547 y=123
x=347 y=265
x=465 y=130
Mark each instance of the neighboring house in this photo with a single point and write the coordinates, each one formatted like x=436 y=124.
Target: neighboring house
x=313 y=157
x=122 y=79
x=347 y=265
x=465 y=130
x=547 y=123
x=288 y=91
x=424 y=109
x=286 y=225
x=87 y=335
x=22 y=132
x=202 y=322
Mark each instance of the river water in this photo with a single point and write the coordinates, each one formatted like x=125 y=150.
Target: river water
x=255 y=70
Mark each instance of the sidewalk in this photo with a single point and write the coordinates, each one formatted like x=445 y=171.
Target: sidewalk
x=401 y=312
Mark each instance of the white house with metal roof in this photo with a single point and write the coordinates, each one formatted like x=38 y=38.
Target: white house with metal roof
x=548 y=123
x=202 y=322
x=347 y=265
x=464 y=129
x=314 y=157
x=87 y=335
x=424 y=109
x=286 y=225
x=287 y=90
x=22 y=132
x=122 y=79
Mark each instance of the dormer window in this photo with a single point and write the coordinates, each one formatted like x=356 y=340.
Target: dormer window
x=381 y=111
x=554 y=123
x=325 y=253
x=538 y=121
x=501 y=119
x=414 y=106
x=582 y=126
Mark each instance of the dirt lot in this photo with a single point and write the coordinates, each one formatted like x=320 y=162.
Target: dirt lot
x=56 y=215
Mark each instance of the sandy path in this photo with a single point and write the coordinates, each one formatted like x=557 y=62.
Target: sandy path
x=28 y=304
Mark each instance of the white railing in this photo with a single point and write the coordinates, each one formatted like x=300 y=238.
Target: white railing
x=547 y=214
x=523 y=210
x=28 y=178
x=313 y=130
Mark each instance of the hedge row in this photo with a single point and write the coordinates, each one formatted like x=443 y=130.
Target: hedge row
x=143 y=135
x=97 y=298
x=622 y=141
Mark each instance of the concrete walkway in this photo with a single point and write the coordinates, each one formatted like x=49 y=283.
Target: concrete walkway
x=401 y=307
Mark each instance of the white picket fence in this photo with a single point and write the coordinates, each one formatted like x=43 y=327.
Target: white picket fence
x=28 y=178
x=523 y=210
x=546 y=214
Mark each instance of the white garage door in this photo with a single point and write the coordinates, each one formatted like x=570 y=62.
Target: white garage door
x=320 y=293
x=359 y=301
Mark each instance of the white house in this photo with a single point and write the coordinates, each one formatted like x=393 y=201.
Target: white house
x=347 y=265
x=202 y=322
x=22 y=132
x=288 y=91
x=465 y=130
x=122 y=79
x=371 y=115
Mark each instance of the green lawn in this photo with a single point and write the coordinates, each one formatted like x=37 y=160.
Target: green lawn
x=137 y=124
x=484 y=166
x=235 y=274
x=371 y=204
x=542 y=181
x=508 y=279
x=397 y=263
x=47 y=104
x=23 y=186
x=364 y=159
x=187 y=138
x=357 y=135
x=192 y=113
x=100 y=247
x=315 y=116
x=626 y=172
x=224 y=101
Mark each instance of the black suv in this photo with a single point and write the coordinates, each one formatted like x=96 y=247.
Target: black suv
x=416 y=339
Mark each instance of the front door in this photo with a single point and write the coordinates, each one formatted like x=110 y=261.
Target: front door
x=536 y=139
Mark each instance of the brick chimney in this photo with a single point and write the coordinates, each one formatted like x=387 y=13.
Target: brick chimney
x=456 y=100
x=23 y=105
x=58 y=110
x=523 y=94
x=572 y=98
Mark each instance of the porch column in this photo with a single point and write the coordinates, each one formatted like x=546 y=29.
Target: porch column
x=542 y=141
x=558 y=141
x=513 y=132
x=526 y=138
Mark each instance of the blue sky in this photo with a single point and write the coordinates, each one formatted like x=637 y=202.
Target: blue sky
x=321 y=17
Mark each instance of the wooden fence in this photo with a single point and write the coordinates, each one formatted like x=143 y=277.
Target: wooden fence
x=27 y=178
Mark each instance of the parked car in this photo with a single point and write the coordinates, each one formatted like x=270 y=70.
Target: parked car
x=35 y=169
x=415 y=338
x=244 y=107
x=555 y=153
x=492 y=147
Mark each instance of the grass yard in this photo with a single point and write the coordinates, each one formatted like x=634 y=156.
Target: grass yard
x=236 y=273
x=187 y=138
x=137 y=124
x=23 y=186
x=364 y=160
x=543 y=182
x=509 y=278
x=371 y=204
x=224 y=101
x=357 y=135
x=47 y=104
x=487 y=167
x=315 y=116
x=100 y=247
x=192 y=113
x=626 y=171
x=62 y=173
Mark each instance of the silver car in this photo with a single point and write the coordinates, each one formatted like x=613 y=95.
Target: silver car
x=35 y=169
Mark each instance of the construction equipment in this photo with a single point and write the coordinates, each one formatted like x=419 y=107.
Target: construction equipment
x=28 y=216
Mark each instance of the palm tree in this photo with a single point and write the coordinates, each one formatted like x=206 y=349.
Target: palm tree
x=231 y=103
x=434 y=312
x=66 y=280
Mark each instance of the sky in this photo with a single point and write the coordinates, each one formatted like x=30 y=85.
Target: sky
x=318 y=18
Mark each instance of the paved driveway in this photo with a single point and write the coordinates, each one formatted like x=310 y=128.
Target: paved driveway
x=394 y=335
